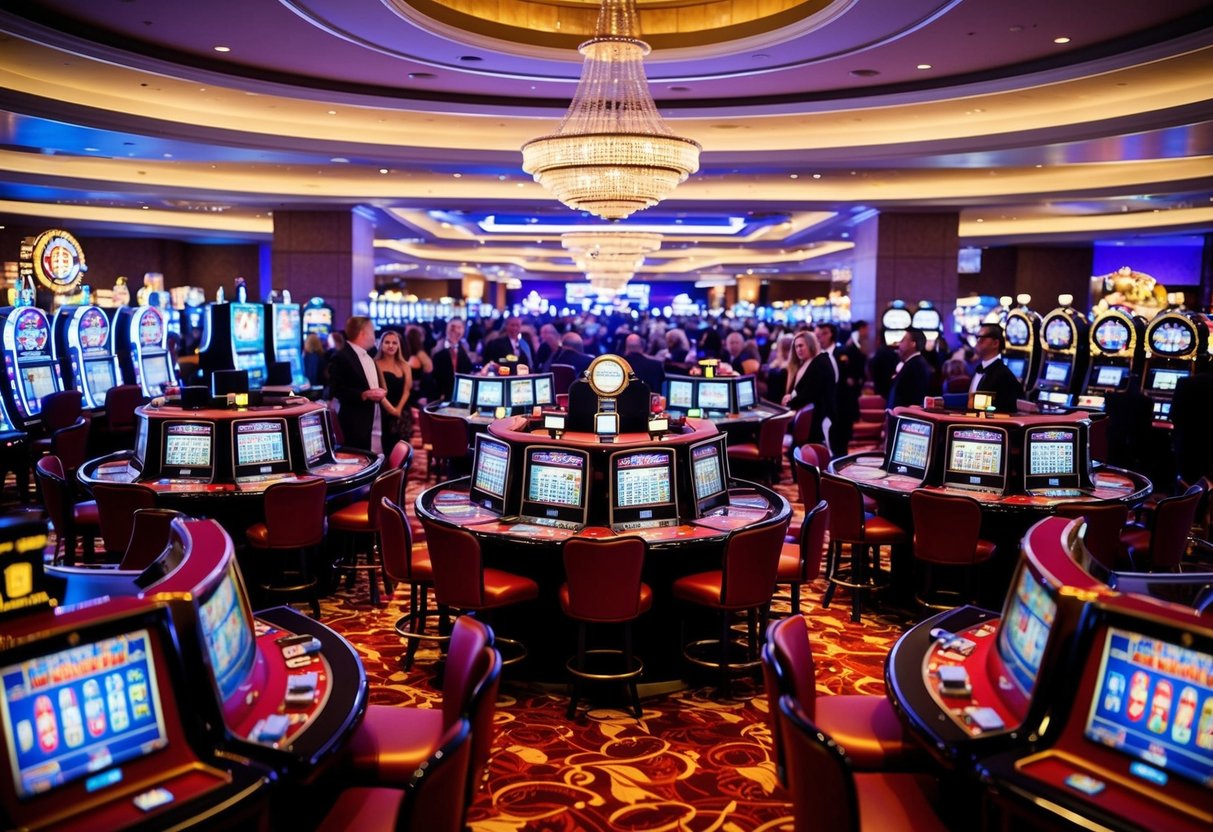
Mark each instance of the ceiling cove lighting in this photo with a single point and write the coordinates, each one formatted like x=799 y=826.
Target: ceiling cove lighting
x=728 y=227
x=612 y=154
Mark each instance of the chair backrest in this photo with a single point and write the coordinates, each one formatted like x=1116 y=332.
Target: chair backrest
x=816 y=766
x=117 y=503
x=770 y=435
x=872 y=407
x=770 y=687
x=1172 y=525
x=458 y=569
x=562 y=376
x=70 y=444
x=120 y=404
x=49 y=471
x=604 y=577
x=957 y=384
x=61 y=408
x=466 y=664
x=425 y=423
x=294 y=513
x=812 y=540
x=151 y=532
x=396 y=541
x=802 y=425
x=436 y=797
x=823 y=454
x=751 y=564
x=1104 y=524
x=387 y=484
x=846 y=508
x=401 y=455
x=807 y=473
x=448 y=437
x=792 y=654
x=946 y=526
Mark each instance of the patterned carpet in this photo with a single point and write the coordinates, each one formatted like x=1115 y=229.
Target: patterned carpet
x=693 y=762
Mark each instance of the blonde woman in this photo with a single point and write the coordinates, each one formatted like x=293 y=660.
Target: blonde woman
x=397 y=378
x=811 y=381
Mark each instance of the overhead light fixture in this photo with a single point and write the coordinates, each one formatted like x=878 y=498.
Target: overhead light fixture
x=609 y=258
x=612 y=154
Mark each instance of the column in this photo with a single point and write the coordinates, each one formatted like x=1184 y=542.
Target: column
x=330 y=254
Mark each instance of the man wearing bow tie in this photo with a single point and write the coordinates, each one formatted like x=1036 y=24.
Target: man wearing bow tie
x=992 y=375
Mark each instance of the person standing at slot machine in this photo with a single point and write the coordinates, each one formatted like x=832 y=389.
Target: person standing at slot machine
x=912 y=378
x=991 y=375
x=354 y=384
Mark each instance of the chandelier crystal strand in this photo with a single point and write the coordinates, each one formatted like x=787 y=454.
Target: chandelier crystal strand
x=612 y=154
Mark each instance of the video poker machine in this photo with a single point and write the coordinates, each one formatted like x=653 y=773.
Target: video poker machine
x=284 y=332
x=1177 y=346
x=1118 y=343
x=84 y=344
x=1021 y=354
x=1064 y=351
x=317 y=318
x=234 y=339
x=31 y=371
x=142 y=346
x=894 y=322
x=927 y=318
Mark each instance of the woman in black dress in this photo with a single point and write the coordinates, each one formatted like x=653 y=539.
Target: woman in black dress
x=398 y=381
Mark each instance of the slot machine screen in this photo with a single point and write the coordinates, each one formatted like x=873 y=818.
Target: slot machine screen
x=709 y=475
x=99 y=376
x=1057 y=372
x=1164 y=381
x=543 y=390
x=81 y=712
x=1110 y=376
x=557 y=484
x=1153 y=702
x=910 y=450
x=747 y=392
x=490 y=473
x=259 y=446
x=227 y=632
x=189 y=449
x=140 y=441
x=522 y=392
x=1111 y=335
x=248 y=327
x=463 y=390
x=680 y=395
x=38 y=381
x=1052 y=458
x=1023 y=630
x=928 y=321
x=1171 y=337
x=642 y=486
x=1059 y=335
x=288 y=329
x=490 y=393
x=1018 y=332
x=976 y=458
x=315 y=442
x=155 y=373
x=714 y=395
x=1018 y=366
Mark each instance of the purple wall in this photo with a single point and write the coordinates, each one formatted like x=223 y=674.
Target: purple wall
x=1171 y=264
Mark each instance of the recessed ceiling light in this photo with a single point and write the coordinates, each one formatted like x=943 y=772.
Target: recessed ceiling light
x=339 y=160
x=332 y=112
x=92 y=150
x=422 y=76
x=383 y=171
x=223 y=49
x=924 y=66
x=1061 y=40
x=979 y=219
x=458 y=175
x=817 y=176
x=793 y=176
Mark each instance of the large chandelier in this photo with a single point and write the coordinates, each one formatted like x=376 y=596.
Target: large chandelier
x=612 y=154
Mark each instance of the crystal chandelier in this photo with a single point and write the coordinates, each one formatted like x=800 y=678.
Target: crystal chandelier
x=609 y=258
x=612 y=154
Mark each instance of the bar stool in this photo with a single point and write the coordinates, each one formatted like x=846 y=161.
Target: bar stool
x=151 y=533
x=406 y=562
x=849 y=524
x=69 y=517
x=768 y=450
x=1104 y=522
x=294 y=522
x=744 y=583
x=603 y=586
x=117 y=503
x=463 y=582
x=800 y=562
x=361 y=518
x=947 y=533
x=1160 y=546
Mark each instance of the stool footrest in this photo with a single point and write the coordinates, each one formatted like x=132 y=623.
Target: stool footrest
x=746 y=665
x=635 y=670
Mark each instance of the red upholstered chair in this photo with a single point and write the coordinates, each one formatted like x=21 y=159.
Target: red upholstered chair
x=401 y=457
x=392 y=742
x=828 y=794
x=562 y=376
x=800 y=562
x=947 y=533
x=744 y=584
x=866 y=726
x=151 y=533
x=406 y=562
x=463 y=582
x=434 y=800
x=70 y=444
x=59 y=410
x=294 y=525
x=361 y=519
x=1104 y=523
x=1160 y=546
x=957 y=384
x=117 y=503
x=70 y=518
x=117 y=430
x=849 y=524
x=603 y=586
x=768 y=450
x=802 y=426
x=870 y=425
x=449 y=443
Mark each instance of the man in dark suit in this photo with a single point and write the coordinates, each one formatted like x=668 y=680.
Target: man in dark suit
x=991 y=375
x=549 y=343
x=649 y=370
x=450 y=356
x=511 y=342
x=571 y=353
x=913 y=377
x=1193 y=441
x=852 y=365
x=354 y=383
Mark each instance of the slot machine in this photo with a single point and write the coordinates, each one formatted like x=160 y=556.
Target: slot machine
x=142 y=346
x=1177 y=346
x=234 y=339
x=317 y=318
x=284 y=332
x=1064 y=349
x=30 y=369
x=84 y=344
x=894 y=322
x=1021 y=353
x=1118 y=343
x=926 y=317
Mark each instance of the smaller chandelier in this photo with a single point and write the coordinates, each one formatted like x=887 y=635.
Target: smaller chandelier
x=610 y=258
x=612 y=154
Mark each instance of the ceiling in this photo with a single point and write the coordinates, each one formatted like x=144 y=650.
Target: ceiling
x=1040 y=122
